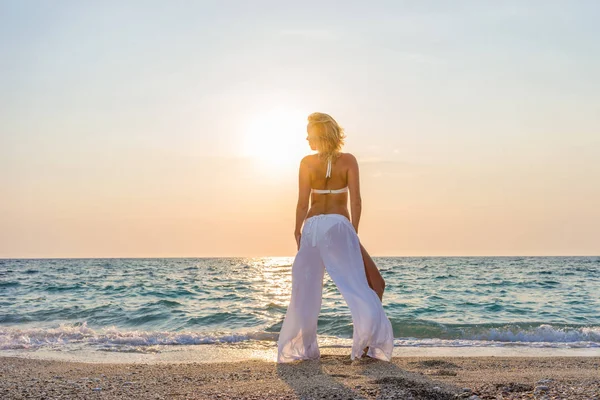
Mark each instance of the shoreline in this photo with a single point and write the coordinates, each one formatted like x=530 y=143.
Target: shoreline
x=332 y=376
x=267 y=351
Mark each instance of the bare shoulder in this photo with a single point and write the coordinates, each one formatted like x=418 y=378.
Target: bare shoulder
x=306 y=160
x=349 y=158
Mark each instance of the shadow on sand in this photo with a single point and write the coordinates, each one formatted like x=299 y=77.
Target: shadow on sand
x=337 y=377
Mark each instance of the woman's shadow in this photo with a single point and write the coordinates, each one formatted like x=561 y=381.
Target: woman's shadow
x=373 y=379
x=309 y=381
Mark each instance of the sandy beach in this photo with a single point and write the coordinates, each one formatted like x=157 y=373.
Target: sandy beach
x=331 y=377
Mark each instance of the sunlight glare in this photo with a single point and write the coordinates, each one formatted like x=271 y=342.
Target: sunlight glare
x=276 y=138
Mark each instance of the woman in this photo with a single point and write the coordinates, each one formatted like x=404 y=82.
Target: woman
x=329 y=241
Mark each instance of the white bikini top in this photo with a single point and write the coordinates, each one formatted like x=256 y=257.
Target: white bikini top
x=328 y=175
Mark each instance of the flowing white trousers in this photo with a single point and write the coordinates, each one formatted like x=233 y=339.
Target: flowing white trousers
x=330 y=241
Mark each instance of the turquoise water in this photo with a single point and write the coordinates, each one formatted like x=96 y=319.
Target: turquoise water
x=130 y=304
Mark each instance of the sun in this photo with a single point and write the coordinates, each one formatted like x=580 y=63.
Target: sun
x=276 y=138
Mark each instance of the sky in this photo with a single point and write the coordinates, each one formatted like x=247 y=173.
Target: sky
x=175 y=129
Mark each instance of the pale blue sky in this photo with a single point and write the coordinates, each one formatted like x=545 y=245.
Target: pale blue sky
x=122 y=124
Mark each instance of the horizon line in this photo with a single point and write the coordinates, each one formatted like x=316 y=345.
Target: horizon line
x=214 y=257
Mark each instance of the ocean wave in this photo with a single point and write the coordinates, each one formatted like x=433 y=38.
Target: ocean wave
x=113 y=339
x=413 y=342
x=543 y=333
x=67 y=334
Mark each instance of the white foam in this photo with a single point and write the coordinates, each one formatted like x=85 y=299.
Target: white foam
x=544 y=333
x=414 y=342
x=113 y=339
x=107 y=338
x=543 y=336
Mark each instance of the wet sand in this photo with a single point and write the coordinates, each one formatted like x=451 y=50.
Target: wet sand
x=331 y=377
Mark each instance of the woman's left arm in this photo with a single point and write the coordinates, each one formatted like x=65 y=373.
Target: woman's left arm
x=303 y=196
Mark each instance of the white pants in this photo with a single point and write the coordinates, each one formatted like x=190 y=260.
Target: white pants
x=330 y=241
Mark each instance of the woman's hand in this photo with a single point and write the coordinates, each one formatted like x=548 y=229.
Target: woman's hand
x=298 y=237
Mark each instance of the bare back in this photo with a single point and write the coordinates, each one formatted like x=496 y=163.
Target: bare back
x=344 y=172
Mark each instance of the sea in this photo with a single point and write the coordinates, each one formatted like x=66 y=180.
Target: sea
x=137 y=305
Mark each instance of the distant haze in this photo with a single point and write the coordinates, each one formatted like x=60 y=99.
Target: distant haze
x=159 y=129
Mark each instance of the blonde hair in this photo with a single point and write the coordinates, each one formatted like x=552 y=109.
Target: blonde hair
x=330 y=134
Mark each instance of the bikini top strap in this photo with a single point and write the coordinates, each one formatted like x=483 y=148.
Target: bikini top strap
x=328 y=174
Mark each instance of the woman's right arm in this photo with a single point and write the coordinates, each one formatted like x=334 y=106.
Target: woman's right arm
x=354 y=189
x=303 y=198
